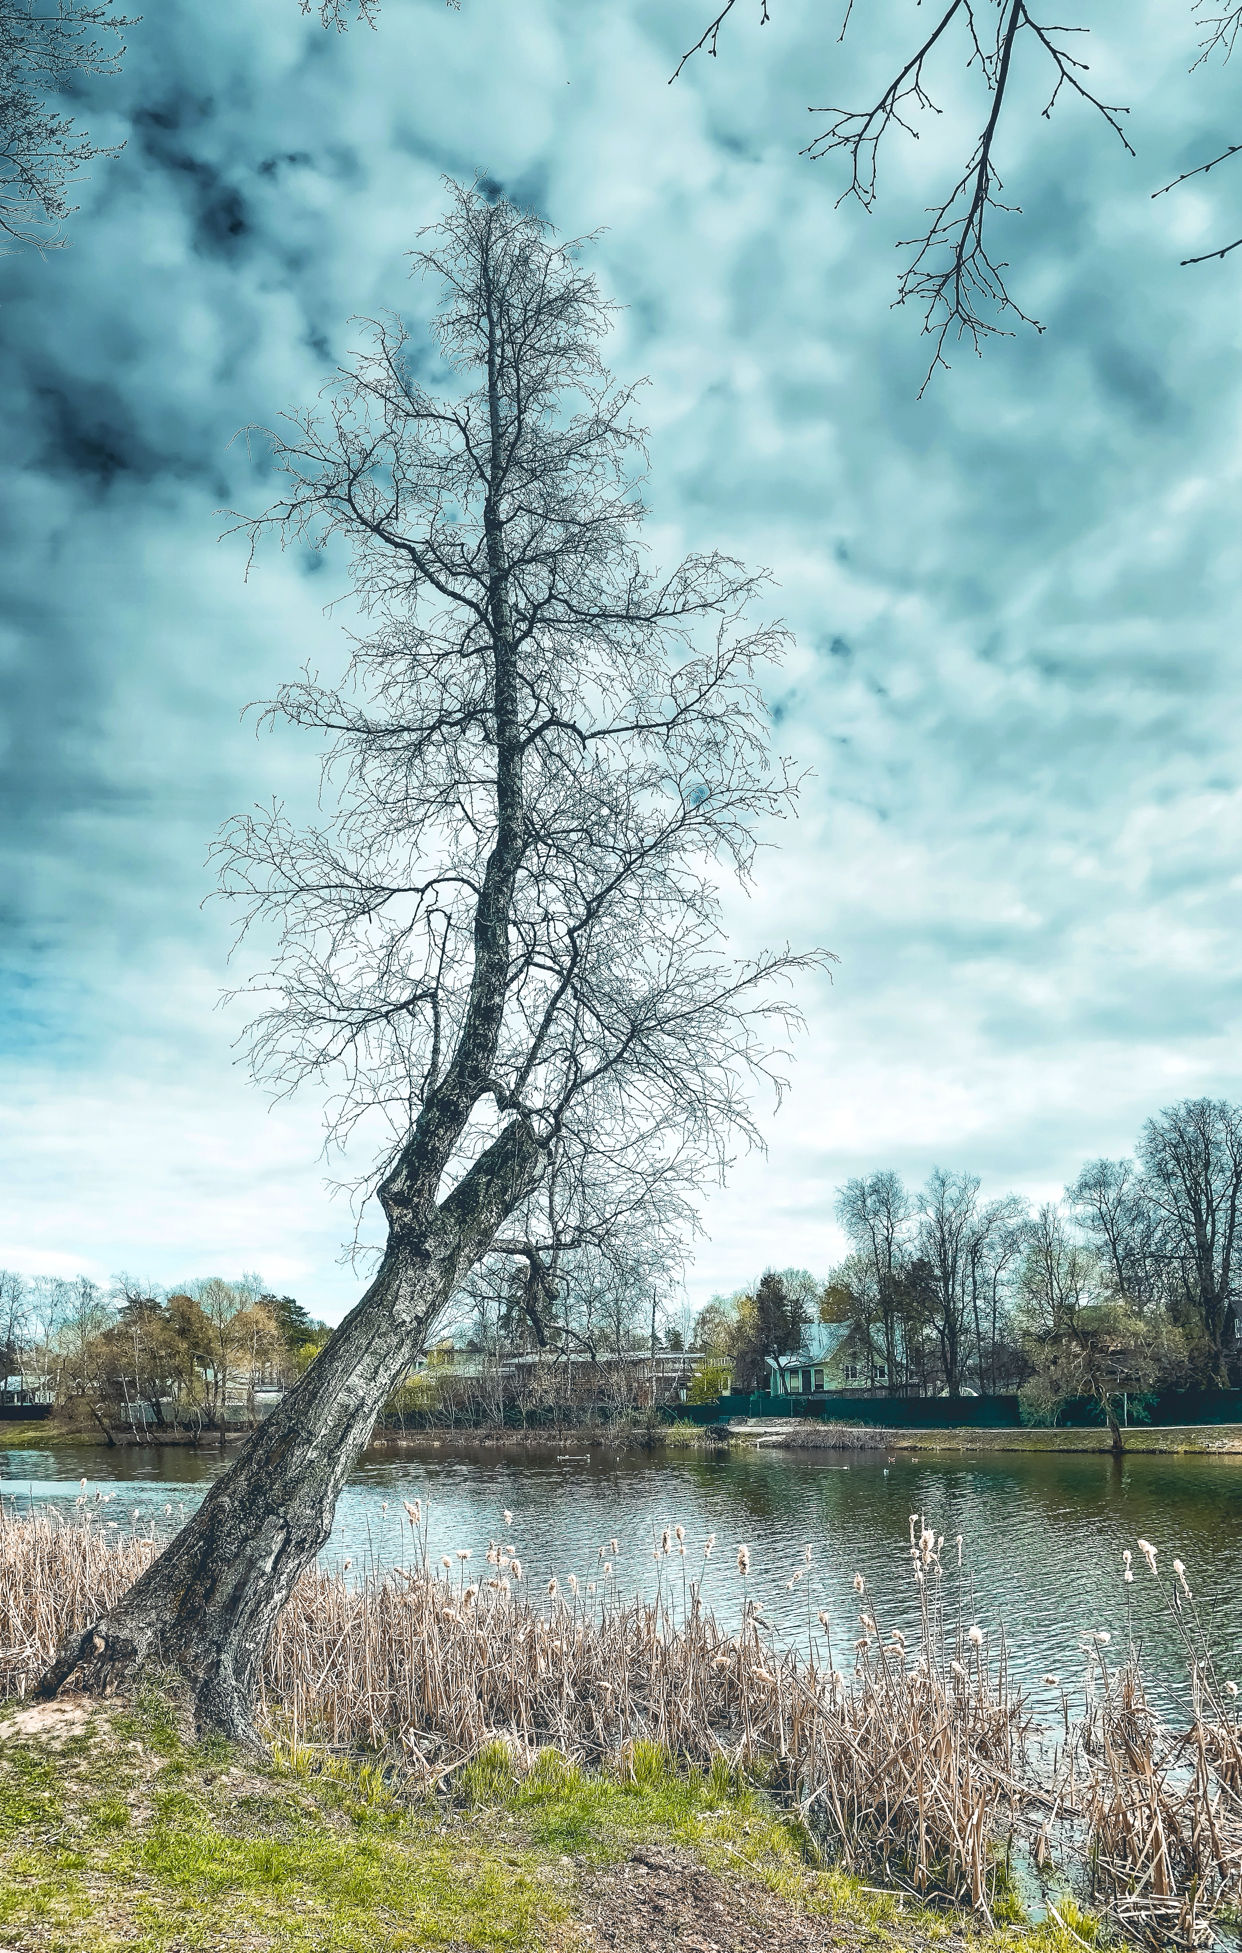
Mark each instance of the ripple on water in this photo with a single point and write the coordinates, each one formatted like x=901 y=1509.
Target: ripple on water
x=1043 y=1534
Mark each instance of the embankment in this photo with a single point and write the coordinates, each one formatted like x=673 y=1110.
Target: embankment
x=814 y=1434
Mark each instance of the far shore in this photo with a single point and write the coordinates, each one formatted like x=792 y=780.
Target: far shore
x=812 y=1434
x=741 y=1434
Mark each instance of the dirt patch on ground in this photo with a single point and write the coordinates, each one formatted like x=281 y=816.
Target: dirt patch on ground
x=662 y=1900
x=52 y=1722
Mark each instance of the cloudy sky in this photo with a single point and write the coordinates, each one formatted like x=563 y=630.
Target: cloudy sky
x=1015 y=600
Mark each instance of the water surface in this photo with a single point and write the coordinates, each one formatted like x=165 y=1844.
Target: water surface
x=1043 y=1533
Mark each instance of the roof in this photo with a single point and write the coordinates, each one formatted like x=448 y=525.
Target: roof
x=821 y=1341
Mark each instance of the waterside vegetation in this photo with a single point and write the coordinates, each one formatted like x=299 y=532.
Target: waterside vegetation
x=116 y=1830
x=918 y=1765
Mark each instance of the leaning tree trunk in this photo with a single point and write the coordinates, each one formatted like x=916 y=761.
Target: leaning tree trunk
x=207 y=1606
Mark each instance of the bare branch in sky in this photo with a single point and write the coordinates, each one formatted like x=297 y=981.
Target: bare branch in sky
x=953 y=274
x=41 y=150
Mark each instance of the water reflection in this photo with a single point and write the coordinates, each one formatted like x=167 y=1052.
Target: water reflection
x=1043 y=1535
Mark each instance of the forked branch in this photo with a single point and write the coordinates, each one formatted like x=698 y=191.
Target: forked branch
x=953 y=274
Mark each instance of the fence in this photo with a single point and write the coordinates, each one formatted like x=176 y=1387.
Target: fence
x=966 y=1413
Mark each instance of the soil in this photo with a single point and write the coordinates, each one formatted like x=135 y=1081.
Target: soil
x=667 y=1900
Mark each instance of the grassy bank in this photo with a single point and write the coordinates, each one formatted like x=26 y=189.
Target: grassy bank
x=813 y=1434
x=115 y=1831
x=46 y=1434
x=49 y=1434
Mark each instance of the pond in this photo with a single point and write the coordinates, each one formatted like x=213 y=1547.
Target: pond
x=1043 y=1534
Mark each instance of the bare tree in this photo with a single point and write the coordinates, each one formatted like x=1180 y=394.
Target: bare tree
x=45 y=45
x=948 y=1221
x=1082 y=1340
x=1191 y=1156
x=14 y=1318
x=543 y=760
x=992 y=1250
x=84 y=1315
x=876 y=1215
x=1111 y=1206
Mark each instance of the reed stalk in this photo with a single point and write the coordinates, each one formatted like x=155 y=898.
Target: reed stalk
x=910 y=1764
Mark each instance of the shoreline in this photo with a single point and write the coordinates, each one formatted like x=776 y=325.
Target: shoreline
x=1202 y=1440
x=741 y=1434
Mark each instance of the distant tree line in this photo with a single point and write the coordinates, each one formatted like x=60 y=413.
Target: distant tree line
x=1125 y=1285
x=540 y=1335
x=162 y=1357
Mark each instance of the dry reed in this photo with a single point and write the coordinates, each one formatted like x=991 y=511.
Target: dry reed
x=908 y=1760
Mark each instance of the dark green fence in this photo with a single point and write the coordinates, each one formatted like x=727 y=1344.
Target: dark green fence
x=965 y=1413
x=895 y=1413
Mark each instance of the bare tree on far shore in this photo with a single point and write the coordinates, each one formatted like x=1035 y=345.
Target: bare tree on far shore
x=543 y=759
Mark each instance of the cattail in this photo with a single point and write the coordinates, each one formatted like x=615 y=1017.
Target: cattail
x=666 y=1540
x=679 y=1534
x=807 y=1552
x=607 y=1568
x=82 y=1483
x=1052 y=1681
x=975 y=1637
x=860 y=1585
x=553 y=1589
x=445 y=1560
x=573 y=1583
x=347 y=1566
x=743 y=1560
x=1103 y=1637
x=896 y=1635
x=822 y=1617
x=959 y=1549
x=167 y=1511
x=508 y=1518
x=1148 y=1551
x=1180 y=1571
x=515 y=1568
x=463 y=1552
x=708 y=1544
x=591 y=1588
x=958 y=1670
x=613 y=1548
x=1231 y=1688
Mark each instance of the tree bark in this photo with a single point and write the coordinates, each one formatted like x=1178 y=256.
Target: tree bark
x=207 y=1606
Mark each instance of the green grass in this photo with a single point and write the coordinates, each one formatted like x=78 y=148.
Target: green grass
x=44 y=1434
x=122 y=1834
